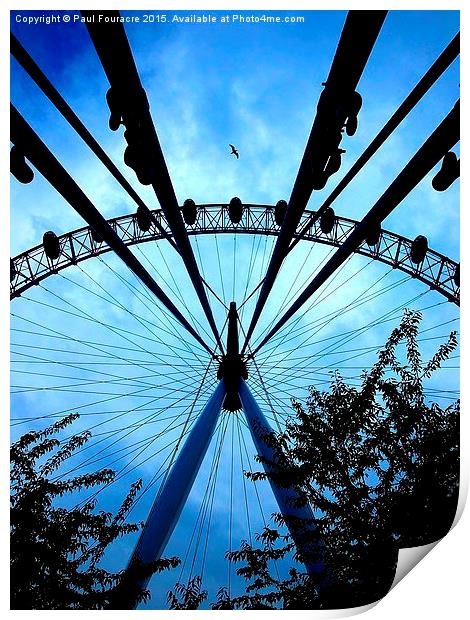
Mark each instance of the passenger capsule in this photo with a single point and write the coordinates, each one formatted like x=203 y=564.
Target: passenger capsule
x=18 y=166
x=456 y=277
x=419 y=247
x=280 y=212
x=135 y=154
x=12 y=270
x=327 y=221
x=235 y=210
x=51 y=244
x=189 y=212
x=319 y=180
x=97 y=238
x=355 y=104
x=144 y=219
x=373 y=234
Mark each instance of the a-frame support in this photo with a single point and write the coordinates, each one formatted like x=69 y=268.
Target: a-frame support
x=299 y=518
x=232 y=393
x=169 y=502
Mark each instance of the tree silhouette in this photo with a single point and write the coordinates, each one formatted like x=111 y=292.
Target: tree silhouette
x=56 y=551
x=379 y=465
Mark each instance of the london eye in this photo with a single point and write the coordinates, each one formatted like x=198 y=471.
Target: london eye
x=179 y=322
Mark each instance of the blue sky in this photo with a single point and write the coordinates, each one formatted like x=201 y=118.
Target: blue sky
x=255 y=86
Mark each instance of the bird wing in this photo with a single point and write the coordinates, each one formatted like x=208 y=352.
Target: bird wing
x=237 y=155
x=232 y=147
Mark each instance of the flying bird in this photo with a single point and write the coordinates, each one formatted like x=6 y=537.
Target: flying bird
x=234 y=151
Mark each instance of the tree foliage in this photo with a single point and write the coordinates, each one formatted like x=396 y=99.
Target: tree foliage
x=56 y=551
x=379 y=466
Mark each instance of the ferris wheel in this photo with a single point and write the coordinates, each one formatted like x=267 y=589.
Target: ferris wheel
x=181 y=333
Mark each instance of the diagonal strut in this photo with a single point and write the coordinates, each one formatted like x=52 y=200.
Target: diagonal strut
x=144 y=152
x=444 y=137
x=358 y=37
x=42 y=158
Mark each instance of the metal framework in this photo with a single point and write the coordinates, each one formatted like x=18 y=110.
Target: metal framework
x=437 y=271
x=439 y=66
x=357 y=39
x=114 y=52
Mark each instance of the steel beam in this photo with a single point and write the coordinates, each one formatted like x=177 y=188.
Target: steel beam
x=431 y=152
x=299 y=518
x=429 y=78
x=115 y=54
x=36 y=74
x=169 y=502
x=358 y=37
x=41 y=157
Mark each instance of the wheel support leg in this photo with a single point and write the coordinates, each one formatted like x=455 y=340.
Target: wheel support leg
x=303 y=534
x=169 y=503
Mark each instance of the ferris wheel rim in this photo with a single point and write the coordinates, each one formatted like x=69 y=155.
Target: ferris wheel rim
x=32 y=266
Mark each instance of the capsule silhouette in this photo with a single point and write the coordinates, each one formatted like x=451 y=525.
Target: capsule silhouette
x=334 y=162
x=51 y=244
x=373 y=234
x=319 y=180
x=456 y=276
x=144 y=219
x=235 y=210
x=136 y=153
x=419 y=247
x=449 y=172
x=134 y=157
x=351 y=125
x=327 y=221
x=18 y=166
x=189 y=212
x=280 y=212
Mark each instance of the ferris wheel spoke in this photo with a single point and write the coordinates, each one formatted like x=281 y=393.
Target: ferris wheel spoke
x=81 y=314
x=380 y=321
x=325 y=351
x=143 y=297
x=127 y=431
x=101 y=346
x=346 y=336
x=312 y=328
x=292 y=330
x=131 y=466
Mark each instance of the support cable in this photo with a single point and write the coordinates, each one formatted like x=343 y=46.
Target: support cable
x=440 y=142
x=358 y=37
